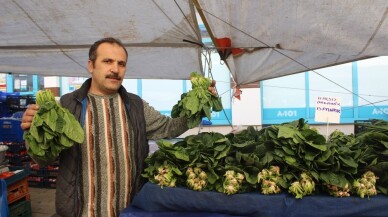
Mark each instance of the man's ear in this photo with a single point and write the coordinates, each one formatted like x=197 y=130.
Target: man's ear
x=90 y=66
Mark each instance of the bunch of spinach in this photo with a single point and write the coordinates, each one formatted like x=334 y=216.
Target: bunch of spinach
x=298 y=148
x=216 y=154
x=294 y=147
x=199 y=102
x=374 y=150
x=212 y=152
x=339 y=165
x=53 y=129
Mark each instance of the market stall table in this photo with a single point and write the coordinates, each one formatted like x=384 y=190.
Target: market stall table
x=154 y=201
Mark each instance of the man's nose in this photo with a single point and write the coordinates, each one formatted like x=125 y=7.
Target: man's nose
x=115 y=68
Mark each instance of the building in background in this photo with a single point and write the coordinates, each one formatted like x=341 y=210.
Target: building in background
x=361 y=86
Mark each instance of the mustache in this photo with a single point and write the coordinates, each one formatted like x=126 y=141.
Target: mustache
x=113 y=76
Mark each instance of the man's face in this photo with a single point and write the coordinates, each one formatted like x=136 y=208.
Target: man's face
x=108 y=70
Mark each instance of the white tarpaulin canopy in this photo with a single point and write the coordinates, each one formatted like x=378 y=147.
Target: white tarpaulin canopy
x=50 y=37
x=268 y=38
x=273 y=38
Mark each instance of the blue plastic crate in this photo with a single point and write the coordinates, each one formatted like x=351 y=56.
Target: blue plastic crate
x=18 y=115
x=3 y=96
x=17 y=102
x=10 y=130
x=4 y=110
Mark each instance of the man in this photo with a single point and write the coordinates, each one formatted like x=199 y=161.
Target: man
x=101 y=176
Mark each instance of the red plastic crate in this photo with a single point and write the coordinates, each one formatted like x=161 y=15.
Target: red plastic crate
x=18 y=190
x=20 y=172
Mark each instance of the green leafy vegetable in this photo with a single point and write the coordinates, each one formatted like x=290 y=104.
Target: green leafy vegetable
x=53 y=129
x=250 y=160
x=196 y=178
x=232 y=182
x=304 y=186
x=269 y=179
x=198 y=102
x=365 y=186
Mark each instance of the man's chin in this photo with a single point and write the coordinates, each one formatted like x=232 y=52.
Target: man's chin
x=113 y=88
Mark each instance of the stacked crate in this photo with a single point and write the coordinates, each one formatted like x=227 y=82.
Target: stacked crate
x=43 y=177
x=11 y=103
x=18 y=196
x=4 y=110
x=12 y=135
x=18 y=162
x=17 y=102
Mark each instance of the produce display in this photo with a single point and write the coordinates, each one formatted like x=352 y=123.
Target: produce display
x=53 y=128
x=290 y=157
x=198 y=103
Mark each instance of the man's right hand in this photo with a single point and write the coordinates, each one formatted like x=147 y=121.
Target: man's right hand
x=28 y=116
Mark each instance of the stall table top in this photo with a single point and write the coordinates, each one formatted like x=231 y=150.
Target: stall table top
x=153 y=200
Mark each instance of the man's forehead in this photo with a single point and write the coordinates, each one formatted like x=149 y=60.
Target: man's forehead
x=111 y=50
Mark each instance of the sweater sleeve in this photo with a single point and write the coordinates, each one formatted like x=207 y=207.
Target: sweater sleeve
x=159 y=126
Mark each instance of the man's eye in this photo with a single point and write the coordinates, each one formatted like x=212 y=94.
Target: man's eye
x=123 y=64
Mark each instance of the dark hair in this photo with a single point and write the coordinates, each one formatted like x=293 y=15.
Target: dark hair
x=111 y=40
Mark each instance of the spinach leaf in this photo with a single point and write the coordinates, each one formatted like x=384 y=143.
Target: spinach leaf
x=52 y=130
x=198 y=103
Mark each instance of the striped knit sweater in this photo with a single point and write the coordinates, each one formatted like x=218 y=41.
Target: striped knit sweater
x=105 y=173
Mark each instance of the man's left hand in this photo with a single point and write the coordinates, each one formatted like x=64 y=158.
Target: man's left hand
x=212 y=88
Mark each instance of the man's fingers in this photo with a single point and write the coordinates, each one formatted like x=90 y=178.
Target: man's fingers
x=33 y=107
x=25 y=126
x=29 y=113
x=212 y=90
x=28 y=116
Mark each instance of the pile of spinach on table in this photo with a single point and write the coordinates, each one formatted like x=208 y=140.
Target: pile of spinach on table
x=295 y=147
x=211 y=151
x=199 y=102
x=374 y=148
x=53 y=129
